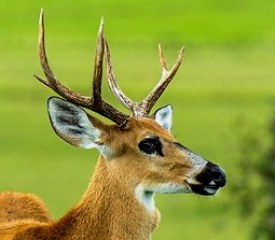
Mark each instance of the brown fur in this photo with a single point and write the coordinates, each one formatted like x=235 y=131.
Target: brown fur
x=109 y=209
x=18 y=206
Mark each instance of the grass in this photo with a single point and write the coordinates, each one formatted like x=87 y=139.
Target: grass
x=227 y=77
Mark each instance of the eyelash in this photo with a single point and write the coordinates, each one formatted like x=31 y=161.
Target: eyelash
x=151 y=146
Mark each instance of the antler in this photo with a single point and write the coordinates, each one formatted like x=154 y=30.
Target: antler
x=166 y=77
x=143 y=108
x=94 y=103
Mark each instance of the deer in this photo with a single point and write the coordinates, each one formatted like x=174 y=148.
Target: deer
x=138 y=158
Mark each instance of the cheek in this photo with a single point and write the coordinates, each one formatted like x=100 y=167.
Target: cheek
x=178 y=168
x=169 y=171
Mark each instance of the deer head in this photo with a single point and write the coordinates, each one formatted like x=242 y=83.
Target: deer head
x=139 y=150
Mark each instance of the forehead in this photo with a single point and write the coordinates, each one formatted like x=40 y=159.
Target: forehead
x=147 y=126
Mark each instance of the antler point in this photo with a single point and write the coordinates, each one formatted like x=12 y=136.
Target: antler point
x=41 y=18
x=101 y=26
x=41 y=80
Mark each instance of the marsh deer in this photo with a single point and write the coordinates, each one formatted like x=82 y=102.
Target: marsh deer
x=138 y=158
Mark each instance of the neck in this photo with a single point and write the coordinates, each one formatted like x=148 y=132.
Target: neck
x=109 y=210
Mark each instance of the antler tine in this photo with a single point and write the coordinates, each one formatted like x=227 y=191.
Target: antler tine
x=51 y=81
x=97 y=77
x=95 y=104
x=127 y=102
x=166 y=78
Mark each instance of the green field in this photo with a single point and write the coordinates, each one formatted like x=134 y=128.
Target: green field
x=227 y=78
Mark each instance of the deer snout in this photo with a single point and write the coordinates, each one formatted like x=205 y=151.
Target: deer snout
x=210 y=179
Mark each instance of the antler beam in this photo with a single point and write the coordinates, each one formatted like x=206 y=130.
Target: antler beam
x=94 y=103
x=143 y=108
x=127 y=102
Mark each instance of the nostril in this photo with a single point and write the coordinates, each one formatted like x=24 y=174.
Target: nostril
x=218 y=175
x=215 y=173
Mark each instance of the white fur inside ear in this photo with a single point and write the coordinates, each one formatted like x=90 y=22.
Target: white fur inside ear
x=72 y=124
x=163 y=117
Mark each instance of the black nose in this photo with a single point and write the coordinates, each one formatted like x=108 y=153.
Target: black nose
x=217 y=175
x=212 y=173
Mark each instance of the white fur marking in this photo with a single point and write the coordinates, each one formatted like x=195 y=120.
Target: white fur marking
x=196 y=160
x=145 y=198
x=198 y=164
x=145 y=193
x=163 y=117
x=104 y=150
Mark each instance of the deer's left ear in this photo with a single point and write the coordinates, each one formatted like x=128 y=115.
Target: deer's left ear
x=163 y=116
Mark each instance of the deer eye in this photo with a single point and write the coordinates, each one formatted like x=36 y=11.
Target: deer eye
x=151 y=146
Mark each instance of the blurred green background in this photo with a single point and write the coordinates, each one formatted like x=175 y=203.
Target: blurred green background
x=227 y=77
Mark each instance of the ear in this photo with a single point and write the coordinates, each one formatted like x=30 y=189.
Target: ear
x=74 y=125
x=163 y=116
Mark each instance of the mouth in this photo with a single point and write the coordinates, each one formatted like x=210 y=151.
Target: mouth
x=206 y=190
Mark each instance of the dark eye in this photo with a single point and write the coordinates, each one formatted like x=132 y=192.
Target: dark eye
x=151 y=146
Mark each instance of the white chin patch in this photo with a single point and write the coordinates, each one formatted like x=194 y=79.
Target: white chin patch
x=166 y=188
x=145 y=193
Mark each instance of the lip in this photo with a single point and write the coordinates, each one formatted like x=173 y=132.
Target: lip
x=206 y=190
